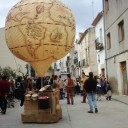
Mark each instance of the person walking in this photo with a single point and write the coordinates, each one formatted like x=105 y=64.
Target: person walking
x=56 y=84
x=61 y=87
x=10 y=98
x=70 y=89
x=77 y=86
x=90 y=88
x=21 y=89
x=4 y=92
x=83 y=92
x=109 y=91
x=38 y=83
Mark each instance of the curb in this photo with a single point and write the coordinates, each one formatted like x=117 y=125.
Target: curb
x=120 y=101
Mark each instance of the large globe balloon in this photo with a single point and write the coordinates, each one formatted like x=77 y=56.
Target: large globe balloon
x=40 y=32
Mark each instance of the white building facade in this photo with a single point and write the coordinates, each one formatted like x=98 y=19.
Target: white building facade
x=62 y=67
x=100 y=44
x=8 y=59
x=116 y=37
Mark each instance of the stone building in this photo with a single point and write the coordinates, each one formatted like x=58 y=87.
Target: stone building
x=87 y=52
x=74 y=69
x=116 y=37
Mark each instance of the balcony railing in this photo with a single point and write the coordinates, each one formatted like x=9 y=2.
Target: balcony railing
x=99 y=44
x=83 y=63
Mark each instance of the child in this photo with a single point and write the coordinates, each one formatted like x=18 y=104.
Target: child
x=109 y=91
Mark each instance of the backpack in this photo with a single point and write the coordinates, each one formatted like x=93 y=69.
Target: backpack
x=18 y=85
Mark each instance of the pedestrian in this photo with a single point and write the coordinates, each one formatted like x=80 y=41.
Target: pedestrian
x=56 y=84
x=10 y=98
x=4 y=92
x=70 y=89
x=77 y=86
x=51 y=80
x=65 y=91
x=109 y=91
x=34 y=83
x=47 y=81
x=29 y=84
x=20 y=90
x=90 y=88
x=61 y=87
x=103 y=84
x=98 y=90
x=38 y=83
x=83 y=92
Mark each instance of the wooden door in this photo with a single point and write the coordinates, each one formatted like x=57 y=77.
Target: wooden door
x=124 y=76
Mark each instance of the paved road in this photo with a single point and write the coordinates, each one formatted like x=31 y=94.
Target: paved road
x=112 y=114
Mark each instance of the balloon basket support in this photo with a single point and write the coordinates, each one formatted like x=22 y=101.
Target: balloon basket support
x=34 y=114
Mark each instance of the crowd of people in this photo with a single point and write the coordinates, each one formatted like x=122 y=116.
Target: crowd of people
x=88 y=86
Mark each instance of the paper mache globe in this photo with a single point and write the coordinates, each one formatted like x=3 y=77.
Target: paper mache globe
x=40 y=32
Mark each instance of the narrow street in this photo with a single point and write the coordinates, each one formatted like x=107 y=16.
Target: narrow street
x=112 y=114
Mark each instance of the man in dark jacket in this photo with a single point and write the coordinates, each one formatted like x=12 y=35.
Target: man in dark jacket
x=4 y=91
x=90 y=88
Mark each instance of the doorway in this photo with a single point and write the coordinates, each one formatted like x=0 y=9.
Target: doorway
x=102 y=72
x=124 y=77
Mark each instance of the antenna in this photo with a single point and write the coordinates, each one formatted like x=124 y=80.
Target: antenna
x=93 y=10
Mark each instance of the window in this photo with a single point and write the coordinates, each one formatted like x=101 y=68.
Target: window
x=85 y=40
x=79 y=63
x=98 y=58
x=68 y=70
x=83 y=62
x=121 y=31
x=100 y=35
x=106 y=5
x=68 y=58
x=108 y=41
x=86 y=54
x=67 y=63
x=75 y=60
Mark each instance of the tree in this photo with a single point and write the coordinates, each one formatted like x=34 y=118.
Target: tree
x=0 y=71
x=8 y=71
x=31 y=69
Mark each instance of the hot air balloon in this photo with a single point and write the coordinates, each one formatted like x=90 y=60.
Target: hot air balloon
x=40 y=32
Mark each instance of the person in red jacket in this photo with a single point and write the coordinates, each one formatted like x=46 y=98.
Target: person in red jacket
x=4 y=91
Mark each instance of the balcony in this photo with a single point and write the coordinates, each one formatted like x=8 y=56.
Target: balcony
x=99 y=45
x=68 y=58
x=83 y=63
x=75 y=52
x=67 y=64
x=76 y=61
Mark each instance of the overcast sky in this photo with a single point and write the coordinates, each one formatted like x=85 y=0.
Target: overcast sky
x=83 y=10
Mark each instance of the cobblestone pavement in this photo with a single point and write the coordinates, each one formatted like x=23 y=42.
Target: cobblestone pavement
x=112 y=114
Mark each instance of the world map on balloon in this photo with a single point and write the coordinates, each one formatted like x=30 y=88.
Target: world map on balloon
x=40 y=32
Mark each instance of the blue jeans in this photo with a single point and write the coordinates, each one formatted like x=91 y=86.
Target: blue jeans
x=92 y=100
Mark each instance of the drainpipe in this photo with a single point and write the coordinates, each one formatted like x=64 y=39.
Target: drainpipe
x=106 y=71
